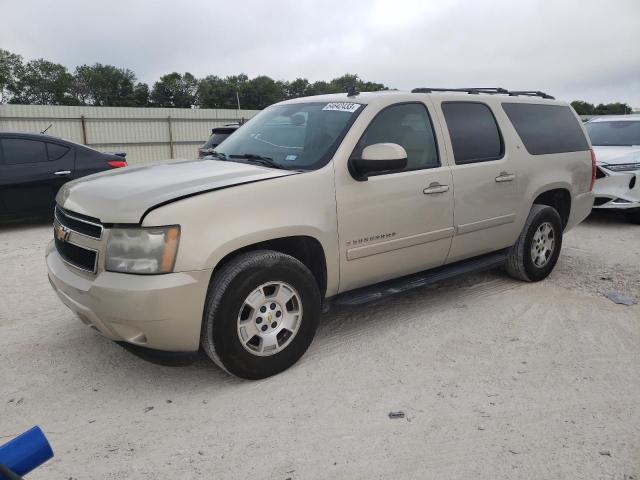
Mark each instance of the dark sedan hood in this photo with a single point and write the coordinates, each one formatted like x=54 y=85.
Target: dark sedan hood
x=126 y=194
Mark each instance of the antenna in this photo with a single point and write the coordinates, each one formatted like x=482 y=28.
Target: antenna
x=352 y=91
x=45 y=130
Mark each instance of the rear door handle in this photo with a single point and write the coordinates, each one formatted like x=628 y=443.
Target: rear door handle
x=506 y=177
x=62 y=172
x=435 y=188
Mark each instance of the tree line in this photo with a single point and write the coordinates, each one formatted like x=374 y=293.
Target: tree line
x=586 y=108
x=41 y=82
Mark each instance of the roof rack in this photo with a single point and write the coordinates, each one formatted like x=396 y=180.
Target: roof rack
x=474 y=91
x=531 y=93
x=487 y=90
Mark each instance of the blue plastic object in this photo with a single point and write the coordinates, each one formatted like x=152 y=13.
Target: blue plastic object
x=26 y=452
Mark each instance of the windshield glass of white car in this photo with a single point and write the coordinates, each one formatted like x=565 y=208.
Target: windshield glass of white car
x=297 y=136
x=616 y=133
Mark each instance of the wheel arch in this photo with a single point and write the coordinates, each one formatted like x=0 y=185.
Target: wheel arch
x=559 y=198
x=305 y=248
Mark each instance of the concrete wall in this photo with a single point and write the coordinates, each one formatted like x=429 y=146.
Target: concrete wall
x=146 y=134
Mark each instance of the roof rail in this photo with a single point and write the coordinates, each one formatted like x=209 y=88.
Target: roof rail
x=474 y=91
x=486 y=90
x=530 y=93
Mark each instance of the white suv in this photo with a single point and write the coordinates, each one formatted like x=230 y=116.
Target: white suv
x=328 y=197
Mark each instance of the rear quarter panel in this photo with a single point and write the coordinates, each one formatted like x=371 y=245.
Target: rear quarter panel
x=537 y=174
x=90 y=161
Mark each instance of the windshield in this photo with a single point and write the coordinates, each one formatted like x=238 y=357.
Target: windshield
x=618 y=133
x=299 y=136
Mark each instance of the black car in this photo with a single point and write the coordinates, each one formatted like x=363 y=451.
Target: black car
x=33 y=167
x=218 y=134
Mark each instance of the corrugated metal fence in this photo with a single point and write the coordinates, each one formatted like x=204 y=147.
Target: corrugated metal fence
x=146 y=134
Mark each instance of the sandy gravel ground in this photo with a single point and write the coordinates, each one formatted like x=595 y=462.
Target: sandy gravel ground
x=498 y=379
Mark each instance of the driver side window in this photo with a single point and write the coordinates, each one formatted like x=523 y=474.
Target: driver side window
x=407 y=125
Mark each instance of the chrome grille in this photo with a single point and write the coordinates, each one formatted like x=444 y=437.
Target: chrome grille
x=81 y=224
x=77 y=239
x=77 y=256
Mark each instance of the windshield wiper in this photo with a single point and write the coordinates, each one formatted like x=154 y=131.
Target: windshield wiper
x=266 y=161
x=220 y=155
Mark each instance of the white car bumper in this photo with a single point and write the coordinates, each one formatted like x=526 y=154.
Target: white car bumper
x=617 y=190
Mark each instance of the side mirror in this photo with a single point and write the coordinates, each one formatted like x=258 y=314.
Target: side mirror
x=379 y=157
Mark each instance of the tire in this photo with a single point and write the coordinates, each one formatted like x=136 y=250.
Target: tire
x=521 y=263
x=229 y=322
x=634 y=217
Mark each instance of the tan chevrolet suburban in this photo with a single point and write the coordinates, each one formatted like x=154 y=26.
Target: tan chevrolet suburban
x=344 y=196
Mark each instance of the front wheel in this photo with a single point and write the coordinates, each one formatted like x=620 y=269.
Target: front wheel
x=536 y=252
x=261 y=314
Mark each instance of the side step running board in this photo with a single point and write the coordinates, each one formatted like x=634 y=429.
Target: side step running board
x=370 y=293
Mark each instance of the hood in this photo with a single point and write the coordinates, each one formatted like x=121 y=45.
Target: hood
x=606 y=155
x=124 y=195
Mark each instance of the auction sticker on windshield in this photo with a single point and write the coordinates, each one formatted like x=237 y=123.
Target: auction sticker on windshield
x=342 y=107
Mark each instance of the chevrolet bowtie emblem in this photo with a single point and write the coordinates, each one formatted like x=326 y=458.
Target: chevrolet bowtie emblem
x=270 y=317
x=61 y=233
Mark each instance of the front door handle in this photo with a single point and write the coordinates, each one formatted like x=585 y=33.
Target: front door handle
x=62 y=172
x=506 y=177
x=435 y=188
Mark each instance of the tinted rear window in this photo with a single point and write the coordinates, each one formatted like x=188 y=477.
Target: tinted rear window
x=217 y=138
x=546 y=129
x=473 y=130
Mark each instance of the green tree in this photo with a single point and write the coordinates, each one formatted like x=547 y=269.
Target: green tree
x=237 y=85
x=10 y=67
x=216 y=92
x=612 y=109
x=300 y=87
x=321 y=87
x=347 y=80
x=41 y=82
x=583 y=108
x=141 y=95
x=105 y=85
x=175 y=90
x=260 y=92
x=340 y=85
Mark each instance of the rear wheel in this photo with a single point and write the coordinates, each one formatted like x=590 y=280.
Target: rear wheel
x=536 y=252
x=261 y=314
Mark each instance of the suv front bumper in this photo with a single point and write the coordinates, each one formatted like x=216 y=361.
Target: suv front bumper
x=162 y=312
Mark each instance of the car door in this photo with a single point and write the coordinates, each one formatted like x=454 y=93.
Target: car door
x=485 y=179
x=32 y=172
x=401 y=222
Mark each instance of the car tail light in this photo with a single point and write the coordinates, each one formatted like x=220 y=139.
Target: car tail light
x=117 y=163
x=593 y=169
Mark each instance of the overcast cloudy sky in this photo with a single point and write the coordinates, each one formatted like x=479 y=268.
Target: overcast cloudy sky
x=574 y=49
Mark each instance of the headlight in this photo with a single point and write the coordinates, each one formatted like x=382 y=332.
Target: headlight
x=623 y=167
x=143 y=250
